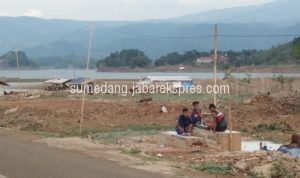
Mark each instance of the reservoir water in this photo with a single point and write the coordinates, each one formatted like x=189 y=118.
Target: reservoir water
x=93 y=74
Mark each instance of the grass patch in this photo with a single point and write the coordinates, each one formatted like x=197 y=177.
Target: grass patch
x=176 y=97
x=150 y=158
x=253 y=174
x=131 y=151
x=283 y=127
x=46 y=134
x=212 y=168
x=113 y=135
x=177 y=166
x=279 y=170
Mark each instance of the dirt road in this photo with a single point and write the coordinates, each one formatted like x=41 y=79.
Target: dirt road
x=20 y=159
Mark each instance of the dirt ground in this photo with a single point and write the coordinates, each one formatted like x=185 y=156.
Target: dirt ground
x=272 y=116
x=62 y=114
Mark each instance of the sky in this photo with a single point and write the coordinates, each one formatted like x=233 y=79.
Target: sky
x=115 y=9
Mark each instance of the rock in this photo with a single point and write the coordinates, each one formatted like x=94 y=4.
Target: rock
x=247 y=101
x=264 y=171
x=33 y=96
x=241 y=166
x=146 y=100
x=164 y=109
x=251 y=162
x=8 y=111
x=33 y=126
x=244 y=165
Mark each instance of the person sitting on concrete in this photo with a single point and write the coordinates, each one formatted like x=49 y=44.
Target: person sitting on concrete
x=219 y=123
x=184 y=124
x=196 y=117
x=292 y=149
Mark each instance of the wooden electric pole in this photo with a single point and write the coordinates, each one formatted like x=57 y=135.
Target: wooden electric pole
x=215 y=59
x=230 y=108
x=85 y=76
x=18 y=69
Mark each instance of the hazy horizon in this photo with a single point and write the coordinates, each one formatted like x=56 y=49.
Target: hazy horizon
x=116 y=10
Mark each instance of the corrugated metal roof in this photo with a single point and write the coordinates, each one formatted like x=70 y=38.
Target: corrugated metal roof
x=168 y=78
x=80 y=80
x=57 y=81
x=3 y=83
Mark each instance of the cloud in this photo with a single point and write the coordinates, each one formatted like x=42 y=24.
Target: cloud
x=33 y=13
x=3 y=13
x=189 y=2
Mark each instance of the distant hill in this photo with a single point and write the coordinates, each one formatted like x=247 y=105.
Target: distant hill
x=8 y=60
x=41 y=38
x=279 y=12
x=277 y=55
x=126 y=58
x=64 y=62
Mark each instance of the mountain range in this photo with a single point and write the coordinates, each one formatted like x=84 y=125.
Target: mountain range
x=277 y=12
x=43 y=38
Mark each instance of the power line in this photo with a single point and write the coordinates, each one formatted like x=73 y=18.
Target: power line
x=198 y=36
x=259 y=35
x=153 y=36
x=74 y=33
x=70 y=35
x=145 y=36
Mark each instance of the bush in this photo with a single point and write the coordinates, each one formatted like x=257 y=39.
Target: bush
x=212 y=168
x=283 y=127
x=280 y=171
x=132 y=151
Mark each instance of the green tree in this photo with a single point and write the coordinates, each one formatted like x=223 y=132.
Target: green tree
x=126 y=58
x=9 y=60
x=296 y=48
x=174 y=58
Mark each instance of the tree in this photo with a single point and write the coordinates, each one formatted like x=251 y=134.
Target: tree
x=296 y=48
x=188 y=58
x=9 y=60
x=126 y=58
x=69 y=61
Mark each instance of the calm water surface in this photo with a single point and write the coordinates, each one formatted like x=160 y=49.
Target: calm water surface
x=93 y=74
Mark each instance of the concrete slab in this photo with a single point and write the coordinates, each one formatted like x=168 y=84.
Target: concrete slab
x=172 y=139
x=220 y=140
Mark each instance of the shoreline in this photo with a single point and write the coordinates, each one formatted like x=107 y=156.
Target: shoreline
x=139 y=76
x=174 y=69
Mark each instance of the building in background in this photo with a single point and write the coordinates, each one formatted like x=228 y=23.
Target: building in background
x=204 y=60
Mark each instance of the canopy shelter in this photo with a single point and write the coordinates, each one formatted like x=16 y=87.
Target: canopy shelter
x=56 y=84
x=3 y=83
x=2 y=92
x=167 y=78
x=82 y=84
x=78 y=81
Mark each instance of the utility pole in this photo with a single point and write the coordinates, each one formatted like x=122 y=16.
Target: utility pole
x=215 y=59
x=18 y=69
x=85 y=75
x=230 y=108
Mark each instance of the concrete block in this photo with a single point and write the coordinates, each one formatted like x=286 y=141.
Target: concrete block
x=220 y=140
x=172 y=139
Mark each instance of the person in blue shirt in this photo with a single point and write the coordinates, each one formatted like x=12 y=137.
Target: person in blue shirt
x=196 y=117
x=292 y=149
x=184 y=124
